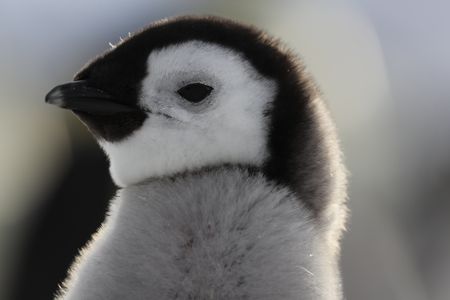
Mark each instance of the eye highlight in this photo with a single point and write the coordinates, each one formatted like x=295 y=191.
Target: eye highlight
x=195 y=92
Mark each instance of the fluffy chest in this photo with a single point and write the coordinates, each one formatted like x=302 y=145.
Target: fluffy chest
x=224 y=234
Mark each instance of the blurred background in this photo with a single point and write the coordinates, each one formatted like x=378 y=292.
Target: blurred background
x=383 y=67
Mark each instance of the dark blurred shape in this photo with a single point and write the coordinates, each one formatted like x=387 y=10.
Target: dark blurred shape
x=73 y=211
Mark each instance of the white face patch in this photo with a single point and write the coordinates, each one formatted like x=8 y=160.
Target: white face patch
x=228 y=126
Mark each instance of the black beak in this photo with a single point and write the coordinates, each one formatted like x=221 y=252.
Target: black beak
x=79 y=96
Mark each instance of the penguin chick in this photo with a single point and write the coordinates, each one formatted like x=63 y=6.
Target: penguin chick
x=232 y=181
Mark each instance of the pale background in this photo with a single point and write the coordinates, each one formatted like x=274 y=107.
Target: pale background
x=383 y=66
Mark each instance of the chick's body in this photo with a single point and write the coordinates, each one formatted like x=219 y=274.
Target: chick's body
x=231 y=175
x=224 y=233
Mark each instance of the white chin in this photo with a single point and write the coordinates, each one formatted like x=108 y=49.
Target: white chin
x=142 y=156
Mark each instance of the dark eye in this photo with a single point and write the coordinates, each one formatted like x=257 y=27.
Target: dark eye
x=195 y=92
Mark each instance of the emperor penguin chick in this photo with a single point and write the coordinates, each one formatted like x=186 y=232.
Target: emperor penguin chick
x=231 y=176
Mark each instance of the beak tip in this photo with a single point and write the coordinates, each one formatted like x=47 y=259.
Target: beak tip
x=55 y=97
